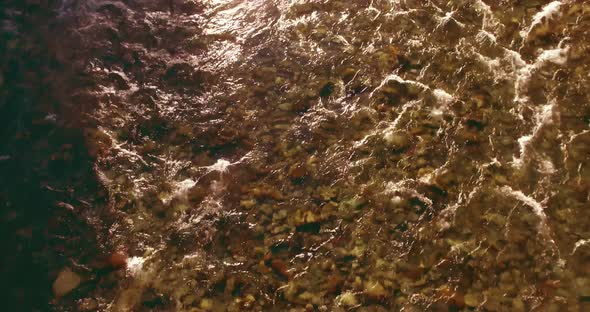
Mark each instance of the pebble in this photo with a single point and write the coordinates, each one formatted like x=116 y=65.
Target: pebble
x=88 y=304
x=285 y=106
x=375 y=290
x=248 y=203
x=518 y=305
x=280 y=267
x=117 y=260
x=471 y=300
x=206 y=304
x=297 y=172
x=305 y=217
x=347 y=299
x=65 y=282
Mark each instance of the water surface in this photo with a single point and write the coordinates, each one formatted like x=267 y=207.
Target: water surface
x=338 y=155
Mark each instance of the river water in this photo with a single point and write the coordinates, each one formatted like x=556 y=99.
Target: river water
x=334 y=155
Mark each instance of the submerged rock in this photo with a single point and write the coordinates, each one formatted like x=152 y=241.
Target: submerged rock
x=397 y=139
x=66 y=282
x=117 y=259
x=374 y=290
x=347 y=299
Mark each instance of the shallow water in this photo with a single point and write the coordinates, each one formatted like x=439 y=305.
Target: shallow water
x=336 y=155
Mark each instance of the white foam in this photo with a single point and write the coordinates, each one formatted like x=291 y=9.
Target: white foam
x=539 y=210
x=525 y=71
x=443 y=97
x=407 y=187
x=119 y=146
x=221 y=165
x=401 y=80
x=547 y=166
x=436 y=113
x=493 y=65
x=523 y=142
x=543 y=116
x=536 y=207
x=482 y=34
x=182 y=189
x=135 y=266
x=393 y=126
x=489 y=21
x=515 y=58
x=548 y=12
x=556 y=56
x=448 y=17
x=579 y=244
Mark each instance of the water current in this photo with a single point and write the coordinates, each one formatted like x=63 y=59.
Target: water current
x=334 y=155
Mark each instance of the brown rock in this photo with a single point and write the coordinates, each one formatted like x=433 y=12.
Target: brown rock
x=117 y=260
x=197 y=193
x=297 y=172
x=65 y=282
x=375 y=291
x=266 y=192
x=334 y=284
x=280 y=267
x=97 y=142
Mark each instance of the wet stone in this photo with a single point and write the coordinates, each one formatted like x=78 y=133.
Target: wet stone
x=374 y=290
x=397 y=139
x=66 y=282
x=347 y=299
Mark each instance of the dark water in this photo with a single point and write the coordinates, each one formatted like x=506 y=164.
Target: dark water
x=324 y=155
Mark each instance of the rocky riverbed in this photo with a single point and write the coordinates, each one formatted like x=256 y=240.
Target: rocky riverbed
x=267 y=155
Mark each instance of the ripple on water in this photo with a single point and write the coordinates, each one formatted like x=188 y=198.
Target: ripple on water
x=272 y=155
